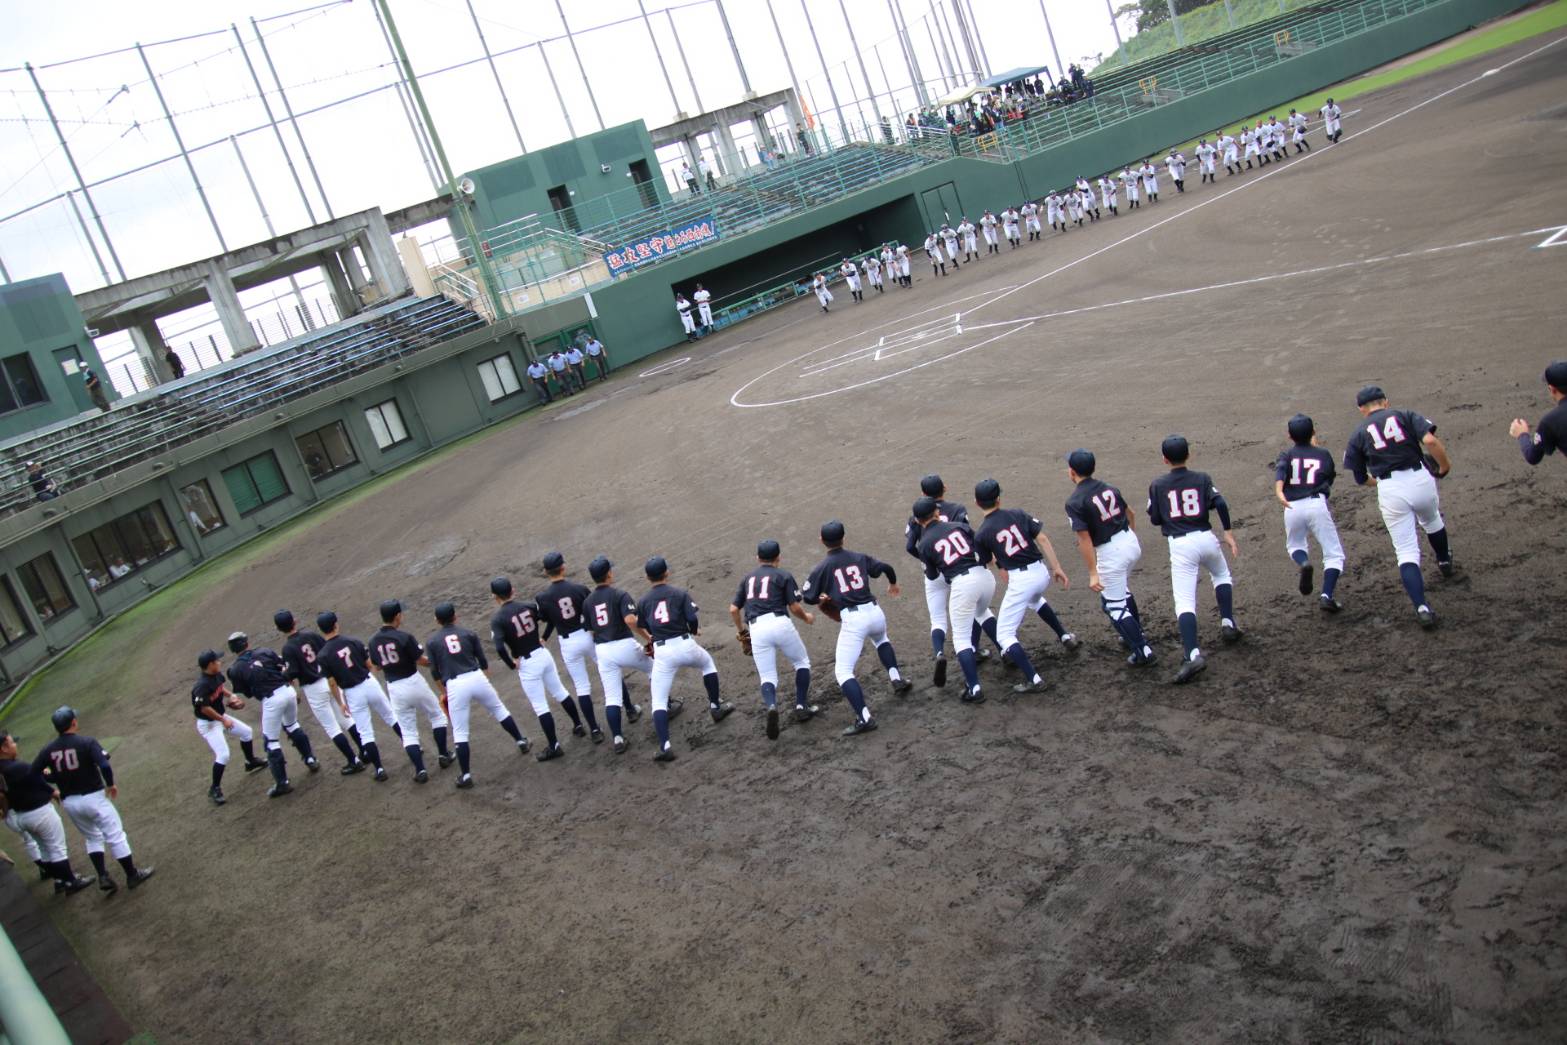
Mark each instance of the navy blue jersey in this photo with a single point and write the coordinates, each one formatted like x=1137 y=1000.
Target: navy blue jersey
x=1305 y=471
x=515 y=630
x=1007 y=536
x=343 y=659
x=454 y=651
x=207 y=693
x=1548 y=437
x=258 y=673
x=845 y=578
x=1387 y=441
x=946 y=511
x=395 y=652
x=1097 y=509
x=667 y=612
x=1179 y=502
x=25 y=787
x=561 y=605
x=302 y=653
x=606 y=611
x=948 y=548
x=764 y=590
x=75 y=764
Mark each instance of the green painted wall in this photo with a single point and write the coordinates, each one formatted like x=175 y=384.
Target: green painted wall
x=39 y=318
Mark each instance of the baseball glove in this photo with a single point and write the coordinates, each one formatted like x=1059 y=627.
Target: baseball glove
x=1434 y=468
x=744 y=635
x=830 y=608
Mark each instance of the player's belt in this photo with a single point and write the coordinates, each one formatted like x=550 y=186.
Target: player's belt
x=283 y=690
x=1025 y=567
x=567 y=634
x=960 y=573
x=673 y=638
x=856 y=606
x=769 y=613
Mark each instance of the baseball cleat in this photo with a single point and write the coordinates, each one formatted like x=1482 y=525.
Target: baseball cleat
x=1142 y=659
x=107 y=884
x=279 y=790
x=1071 y=641
x=598 y=736
x=422 y=777
x=772 y=723
x=141 y=875
x=522 y=746
x=864 y=725
x=1329 y=604
x=665 y=755
x=1426 y=616
x=1190 y=670
x=633 y=712
x=981 y=654
x=974 y=696
x=445 y=760
x=380 y=775
x=720 y=711
x=313 y=764
x=620 y=745
x=251 y=767
x=579 y=730
x=353 y=767
x=805 y=712
x=902 y=686
x=1230 y=634
x=1305 y=579
x=72 y=884
x=676 y=706
x=1446 y=566
x=551 y=753
x=465 y=781
x=940 y=678
x=1037 y=686
x=216 y=795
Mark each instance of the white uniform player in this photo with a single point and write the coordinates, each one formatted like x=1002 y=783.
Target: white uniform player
x=987 y=225
x=872 y=268
x=704 y=305
x=1297 y=124
x=1130 y=180
x=949 y=240
x=1206 y=164
x=669 y=617
x=1251 y=147
x=1175 y=163
x=1104 y=525
x=263 y=675
x=1150 y=175
x=904 y=264
x=851 y=277
x=1054 y=212
x=1303 y=478
x=683 y=307
x=300 y=649
x=1230 y=149
x=1030 y=212
x=1009 y=220
x=1085 y=192
x=819 y=287
x=767 y=597
x=1107 y=193
x=889 y=263
x=970 y=236
x=933 y=251
x=1074 y=207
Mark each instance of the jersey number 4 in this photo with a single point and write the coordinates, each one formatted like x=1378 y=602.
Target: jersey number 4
x=661 y=611
x=1185 y=504
x=1391 y=432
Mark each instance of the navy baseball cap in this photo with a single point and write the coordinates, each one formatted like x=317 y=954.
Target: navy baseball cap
x=924 y=508
x=1301 y=429
x=832 y=532
x=326 y=620
x=1175 y=448
x=501 y=586
x=987 y=492
x=932 y=486
x=554 y=561
x=284 y=621
x=768 y=551
x=599 y=568
x=1369 y=394
x=445 y=613
x=390 y=609
x=207 y=656
x=1081 y=461
x=63 y=717
x=655 y=567
x=1556 y=375
x=238 y=641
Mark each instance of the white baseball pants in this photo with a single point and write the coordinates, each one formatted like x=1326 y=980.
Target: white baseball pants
x=99 y=822
x=859 y=623
x=969 y=602
x=1116 y=557
x=614 y=660
x=971 y=243
x=903 y=266
x=1025 y=591
x=1312 y=516
x=687 y=322
x=1231 y=156
x=576 y=650
x=1012 y=232
x=707 y=313
x=1131 y=191
x=212 y=731
x=461 y=692
x=1208 y=165
x=324 y=706
x=43 y=835
x=937 y=592
x=823 y=295
x=279 y=715
x=1033 y=224
x=669 y=658
x=362 y=700
x=1408 y=497
x=1108 y=196
x=770 y=636
x=540 y=680
x=853 y=282
x=1188 y=553
x=409 y=697
x=990 y=235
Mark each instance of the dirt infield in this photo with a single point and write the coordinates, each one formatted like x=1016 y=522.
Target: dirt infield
x=1349 y=829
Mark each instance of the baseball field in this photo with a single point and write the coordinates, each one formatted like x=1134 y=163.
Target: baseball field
x=1348 y=830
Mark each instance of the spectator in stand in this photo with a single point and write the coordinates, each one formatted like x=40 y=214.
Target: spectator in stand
x=95 y=388
x=43 y=486
x=803 y=137
x=176 y=364
x=688 y=176
x=706 y=170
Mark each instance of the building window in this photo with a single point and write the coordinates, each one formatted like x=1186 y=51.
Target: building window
x=201 y=509
x=19 y=385
x=326 y=450
x=118 y=549
x=45 y=587
x=499 y=377
x=386 y=424
x=256 y=483
x=13 y=625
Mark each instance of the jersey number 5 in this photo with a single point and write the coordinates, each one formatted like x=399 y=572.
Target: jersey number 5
x=600 y=615
x=1185 y=504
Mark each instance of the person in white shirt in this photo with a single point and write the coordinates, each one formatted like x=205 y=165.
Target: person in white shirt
x=540 y=374
x=1205 y=159
x=1130 y=181
x=683 y=307
x=599 y=356
x=987 y=225
x=1175 y=163
x=1332 y=121
x=577 y=367
x=1073 y=204
x=851 y=276
x=938 y=262
x=970 y=240
x=704 y=307
x=1276 y=143
x=1053 y=211
x=706 y=170
x=950 y=238
x=904 y=265
x=1009 y=219
x=872 y=269
x=889 y=263
x=1090 y=202
x=1107 y=192
x=819 y=286
x=1232 y=152
x=1249 y=141
x=1151 y=181
x=1297 y=122
x=1030 y=212
x=688 y=177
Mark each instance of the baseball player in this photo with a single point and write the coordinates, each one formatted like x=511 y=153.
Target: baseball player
x=1249 y=145
x=1390 y=450
x=1074 y=207
x=457 y=664
x=1104 y=525
x=1302 y=480
x=1205 y=159
x=212 y=702
x=302 y=653
x=669 y=616
x=30 y=800
x=704 y=306
x=987 y=225
x=1179 y=503
x=540 y=375
x=1230 y=148
x=1297 y=123
x=1030 y=212
x=904 y=264
x=1107 y=193
x=970 y=236
x=1130 y=182
x=851 y=276
x=938 y=263
x=397 y=655
x=1009 y=218
x=1054 y=212
x=819 y=287
x=560 y=606
x=598 y=355
x=841 y=584
x=947 y=547
x=872 y=266
x=683 y=307
x=346 y=662
x=937 y=589
x=79 y=769
x=761 y=608
x=619 y=645
x=1085 y=192
x=1175 y=163
x=261 y=674
x=1551 y=435
x=1150 y=175
x=889 y=263
x=1332 y=121
x=1276 y=143
x=516 y=631
x=949 y=239
x=1011 y=538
